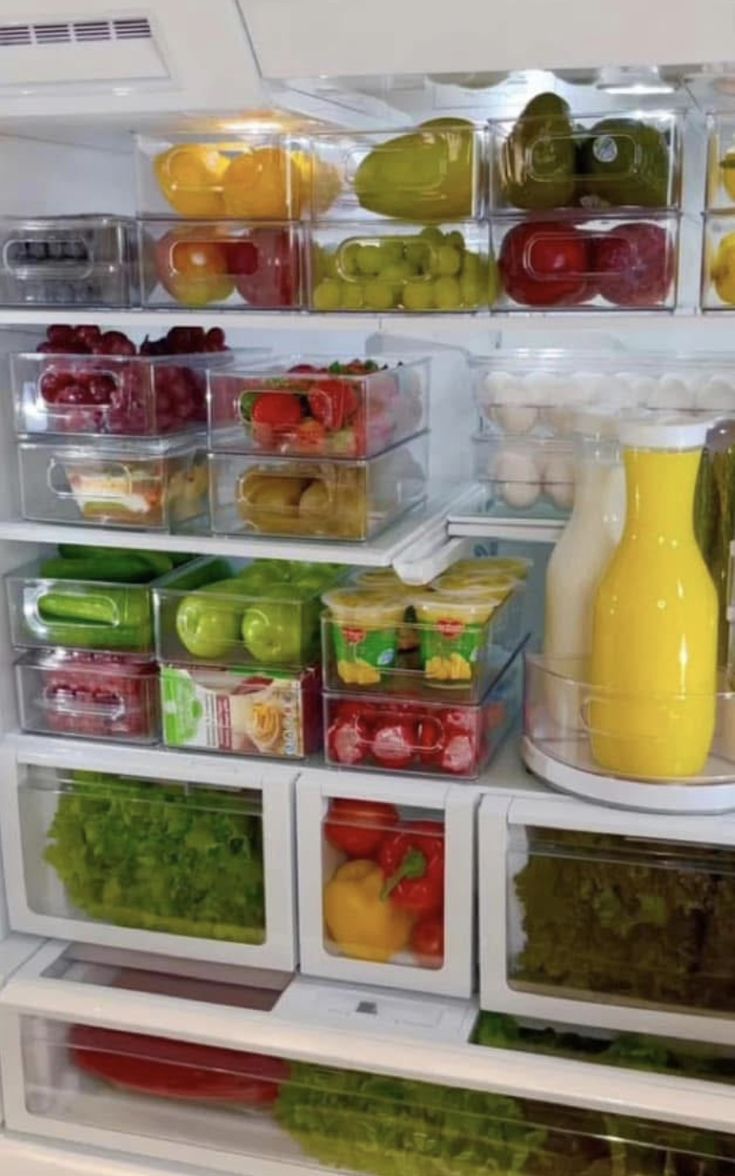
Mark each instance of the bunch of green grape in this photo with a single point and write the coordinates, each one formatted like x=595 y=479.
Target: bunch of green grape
x=427 y=271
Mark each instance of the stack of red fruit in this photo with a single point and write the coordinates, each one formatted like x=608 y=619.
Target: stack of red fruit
x=100 y=695
x=114 y=388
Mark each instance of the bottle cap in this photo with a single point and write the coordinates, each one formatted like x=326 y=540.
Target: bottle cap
x=664 y=430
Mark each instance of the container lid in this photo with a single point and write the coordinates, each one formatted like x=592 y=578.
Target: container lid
x=671 y=430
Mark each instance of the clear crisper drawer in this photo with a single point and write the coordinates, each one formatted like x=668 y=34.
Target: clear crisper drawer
x=526 y=477
x=432 y=738
x=721 y=160
x=718 y=285
x=68 y=261
x=148 y=485
x=242 y=612
x=385 y=266
x=622 y=920
x=316 y=406
x=433 y=172
x=563 y=260
x=223 y=1107
x=94 y=695
x=309 y=498
x=251 y=175
x=227 y=264
x=545 y=159
x=184 y=868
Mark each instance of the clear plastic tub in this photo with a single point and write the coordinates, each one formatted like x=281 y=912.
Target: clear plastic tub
x=434 y=172
x=136 y=396
x=50 y=612
x=68 y=261
x=526 y=477
x=589 y=729
x=721 y=161
x=221 y=264
x=565 y=260
x=242 y=612
x=251 y=175
x=440 y=658
x=384 y=266
x=145 y=485
x=306 y=406
x=306 y=498
x=430 y=738
x=94 y=695
x=718 y=258
x=545 y=159
x=242 y=710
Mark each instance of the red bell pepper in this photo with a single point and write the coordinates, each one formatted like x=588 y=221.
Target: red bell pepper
x=412 y=861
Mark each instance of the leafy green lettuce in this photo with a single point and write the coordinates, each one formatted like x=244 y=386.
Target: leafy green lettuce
x=162 y=857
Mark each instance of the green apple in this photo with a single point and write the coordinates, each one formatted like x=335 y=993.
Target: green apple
x=272 y=629
x=255 y=580
x=209 y=627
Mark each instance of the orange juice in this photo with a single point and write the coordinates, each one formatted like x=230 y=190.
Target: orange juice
x=651 y=712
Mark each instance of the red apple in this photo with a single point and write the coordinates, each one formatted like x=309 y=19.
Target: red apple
x=634 y=263
x=265 y=266
x=546 y=263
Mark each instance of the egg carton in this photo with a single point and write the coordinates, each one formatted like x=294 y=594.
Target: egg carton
x=526 y=477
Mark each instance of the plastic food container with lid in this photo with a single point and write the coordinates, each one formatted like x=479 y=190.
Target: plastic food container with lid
x=74 y=261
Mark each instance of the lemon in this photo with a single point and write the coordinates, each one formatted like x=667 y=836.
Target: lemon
x=722 y=270
x=190 y=178
x=264 y=184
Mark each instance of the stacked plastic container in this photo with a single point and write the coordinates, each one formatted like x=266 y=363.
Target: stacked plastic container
x=585 y=210
x=718 y=254
x=317 y=448
x=423 y=680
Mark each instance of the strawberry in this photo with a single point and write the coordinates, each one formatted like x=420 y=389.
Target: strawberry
x=334 y=403
x=278 y=409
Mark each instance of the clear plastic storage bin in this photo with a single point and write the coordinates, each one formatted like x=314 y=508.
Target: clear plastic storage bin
x=250 y=175
x=191 y=867
x=226 y=264
x=94 y=695
x=427 y=644
x=546 y=159
x=65 y=261
x=145 y=485
x=242 y=710
x=385 y=266
x=385 y=881
x=434 y=172
x=316 y=406
x=309 y=498
x=526 y=477
x=431 y=738
x=242 y=612
x=720 y=160
x=135 y=396
x=565 y=260
x=718 y=261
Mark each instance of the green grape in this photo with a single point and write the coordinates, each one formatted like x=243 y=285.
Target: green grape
x=368 y=260
x=379 y=295
x=397 y=271
x=418 y=255
x=348 y=257
x=391 y=251
x=446 y=261
x=447 y=294
x=471 y=290
x=418 y=294
x=328 y=294
x=471 y=265
x=456 y=240
x=353 y=297
x=431 y=233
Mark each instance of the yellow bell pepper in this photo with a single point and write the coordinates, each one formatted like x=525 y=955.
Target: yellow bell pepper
x=364 y=925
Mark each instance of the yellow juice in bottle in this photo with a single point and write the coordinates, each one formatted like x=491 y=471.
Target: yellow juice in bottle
x=651 y=711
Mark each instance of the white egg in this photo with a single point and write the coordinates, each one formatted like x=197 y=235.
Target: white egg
x=544 y=387
x=642 y=388
x=718 y=393
x=672 y=391
x=558 y=480
x=514 y=413
x=560 y=416
x=516 y=474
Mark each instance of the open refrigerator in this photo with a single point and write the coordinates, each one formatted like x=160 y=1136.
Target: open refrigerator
x=579 y=1017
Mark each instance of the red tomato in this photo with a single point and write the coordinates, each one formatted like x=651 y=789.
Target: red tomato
x=394 y=744
x=347 y=742
x=359 y=827
x=279 y=409
x=545 y=263
x=427 y=941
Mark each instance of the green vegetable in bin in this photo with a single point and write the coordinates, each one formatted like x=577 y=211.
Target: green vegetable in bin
x=94 y=618
x=161 y=856
x=626 y=161
x=121 y=569
x=538 y=160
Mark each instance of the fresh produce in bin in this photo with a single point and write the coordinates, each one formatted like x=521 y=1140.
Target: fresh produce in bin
x=546 y=159
x=245 y=711
x=95 y=695
x=573 y=259
x=383 y=899
x=320 y=407
x=221 y=264
x=400 y=735
x=149 y=485
x=84 y=381
x=183 y=859
x=411 y=270
x=262 y=611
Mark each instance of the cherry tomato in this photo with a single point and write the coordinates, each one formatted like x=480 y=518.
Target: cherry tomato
x=359 y=827
x=427 y=941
